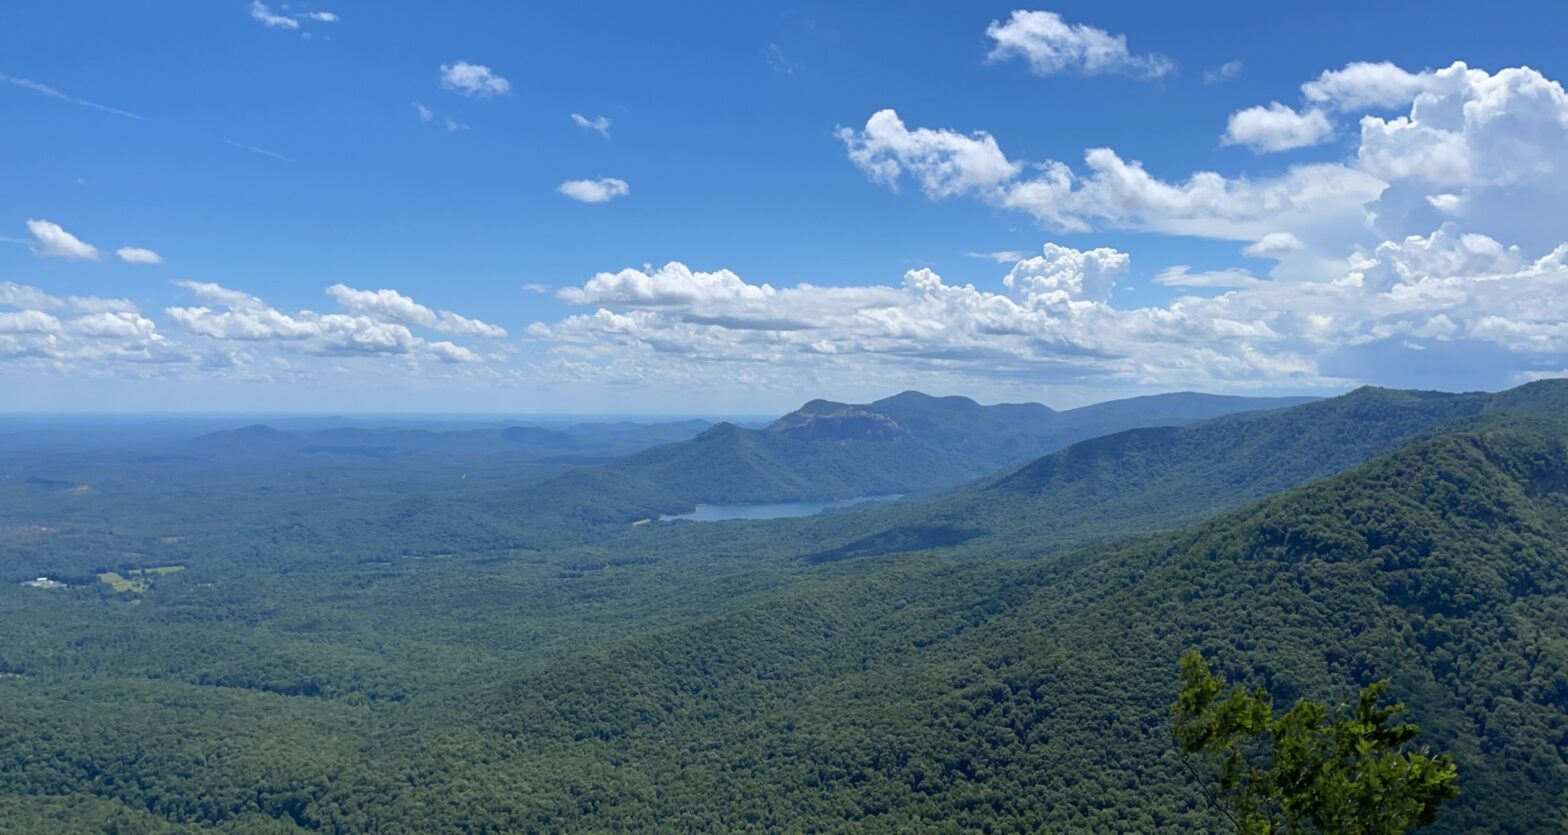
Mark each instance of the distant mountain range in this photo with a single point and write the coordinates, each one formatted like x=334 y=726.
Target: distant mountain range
x=1151 y=479
x=907 y=443
x=590 y=441
x=983 y=490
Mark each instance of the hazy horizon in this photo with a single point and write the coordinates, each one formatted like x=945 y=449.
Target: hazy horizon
x=562 y=416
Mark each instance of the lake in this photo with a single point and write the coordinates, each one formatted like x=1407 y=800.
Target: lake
x=775 y=510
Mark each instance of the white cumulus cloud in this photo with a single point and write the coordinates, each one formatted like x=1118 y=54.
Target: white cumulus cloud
x=121 y=325
x=1068 y=273
x=944 y=162
x=378 y=325
x=602 y=190
x=1363 y=85
x=394 y=306
x=25 y=296
x=1273 y=245
x=54 y=242
x=28 y=321
x=473 y=80
x=1052 y=45
x=452 y=352
x=673 y=284
x=1277 y=128
x=1470 y=127
x=1112 y=191
x=138 y=255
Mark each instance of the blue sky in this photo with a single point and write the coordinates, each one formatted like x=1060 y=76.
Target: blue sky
x=416 y=158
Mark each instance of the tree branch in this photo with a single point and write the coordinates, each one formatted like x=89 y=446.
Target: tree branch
x=1203 y=786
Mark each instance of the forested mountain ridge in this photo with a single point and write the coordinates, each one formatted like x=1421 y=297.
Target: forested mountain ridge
x=902 y=444
x=1144 y=480
x=907 y=443
x=1010 y=697
x=1002 y=431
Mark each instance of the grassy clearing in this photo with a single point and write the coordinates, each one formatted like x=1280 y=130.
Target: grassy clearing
x=115 y=581
x=139 y=579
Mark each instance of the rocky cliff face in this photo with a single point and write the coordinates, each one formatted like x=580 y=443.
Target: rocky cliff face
x=846 y=423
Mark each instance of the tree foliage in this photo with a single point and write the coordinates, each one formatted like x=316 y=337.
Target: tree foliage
x=1302 y=771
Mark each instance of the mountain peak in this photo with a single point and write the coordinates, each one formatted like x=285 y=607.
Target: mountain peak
x=722 y=429
x=819 y=406
x=1546 y=395
x=252 y=433
x=919 y=399
x=844 y=423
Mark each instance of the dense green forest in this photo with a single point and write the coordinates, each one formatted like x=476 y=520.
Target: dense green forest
x=373 y=644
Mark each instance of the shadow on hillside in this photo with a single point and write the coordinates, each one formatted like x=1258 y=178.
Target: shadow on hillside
x=912 y=538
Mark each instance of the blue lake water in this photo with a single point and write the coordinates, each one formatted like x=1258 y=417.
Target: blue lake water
x=776 y=510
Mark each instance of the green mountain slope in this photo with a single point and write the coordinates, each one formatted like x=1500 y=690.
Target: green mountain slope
x=893 y=696
x=1147 y=480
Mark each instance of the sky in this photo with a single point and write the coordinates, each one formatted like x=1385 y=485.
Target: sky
x=231 y=205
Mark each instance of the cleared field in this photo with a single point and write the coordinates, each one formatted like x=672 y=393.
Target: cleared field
x=139 y=578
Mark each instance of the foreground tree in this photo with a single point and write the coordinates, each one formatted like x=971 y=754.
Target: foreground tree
x=1300 y=771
